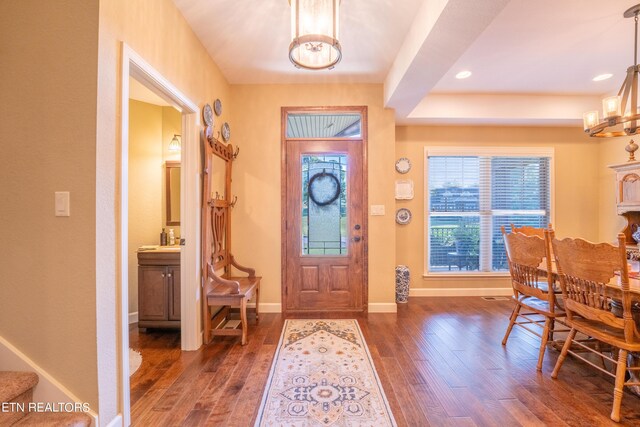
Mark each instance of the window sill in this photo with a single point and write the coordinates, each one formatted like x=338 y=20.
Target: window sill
x=457 y=275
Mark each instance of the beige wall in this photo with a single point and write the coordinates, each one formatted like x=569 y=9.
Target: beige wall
x=611 y=152
x=576 y=186
x=256 y=178
x=48 y=77
x=145 y=185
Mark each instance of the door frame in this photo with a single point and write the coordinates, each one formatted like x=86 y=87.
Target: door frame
x=285 y=111
x=133 y=65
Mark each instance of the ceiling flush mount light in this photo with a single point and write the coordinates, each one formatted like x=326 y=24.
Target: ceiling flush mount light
x=175 y=144
x=601 y=77
x=463 y=74
x=620 y=112
x=314 y=34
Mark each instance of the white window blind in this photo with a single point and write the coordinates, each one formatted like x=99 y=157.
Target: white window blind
x=469 y=197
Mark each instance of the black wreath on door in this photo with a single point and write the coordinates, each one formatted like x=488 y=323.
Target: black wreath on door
x=324 y=181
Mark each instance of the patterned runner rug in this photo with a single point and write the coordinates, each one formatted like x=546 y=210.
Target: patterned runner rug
x=322 y=375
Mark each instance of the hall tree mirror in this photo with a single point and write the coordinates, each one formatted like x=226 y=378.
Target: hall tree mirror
x=172 y=185
x=218 y=177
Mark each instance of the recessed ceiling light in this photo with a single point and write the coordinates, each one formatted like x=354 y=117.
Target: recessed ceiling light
x=463 y=74
x=602 y=77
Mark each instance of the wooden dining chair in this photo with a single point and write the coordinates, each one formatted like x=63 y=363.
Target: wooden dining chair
x=585 y=271
x=533 y=289
x=528 y=230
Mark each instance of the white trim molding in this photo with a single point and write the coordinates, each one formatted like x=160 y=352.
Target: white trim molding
x=133 y=65
x=267 y=307
x=383 y=307
x=133 y=317
x=48 y=388
x=460 y=292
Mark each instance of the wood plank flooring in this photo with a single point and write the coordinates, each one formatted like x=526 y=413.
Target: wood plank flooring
x=440 y=361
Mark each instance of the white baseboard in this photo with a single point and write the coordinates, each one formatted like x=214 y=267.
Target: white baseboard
x=267 y=307
x=133 y=317
x=48 y=388
x=460 y=292
x=373 y=307
x=116 y=422
x=383 y=307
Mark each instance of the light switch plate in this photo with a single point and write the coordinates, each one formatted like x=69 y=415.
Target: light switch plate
x=377 y=209
x=62 y=207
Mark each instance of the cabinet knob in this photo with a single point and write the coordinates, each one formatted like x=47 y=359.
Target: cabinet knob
x=162 y=274
x=169 y=275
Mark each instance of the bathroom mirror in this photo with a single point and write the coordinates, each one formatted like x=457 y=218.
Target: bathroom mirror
x=172 y=185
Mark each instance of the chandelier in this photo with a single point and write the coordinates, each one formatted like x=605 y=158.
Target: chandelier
x=314 y=34
x=620 y=112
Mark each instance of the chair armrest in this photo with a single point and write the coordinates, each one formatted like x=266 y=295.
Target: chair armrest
x=234 y=285
x=250 y=271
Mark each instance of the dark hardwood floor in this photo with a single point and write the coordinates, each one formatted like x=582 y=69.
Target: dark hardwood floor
x=440 y=361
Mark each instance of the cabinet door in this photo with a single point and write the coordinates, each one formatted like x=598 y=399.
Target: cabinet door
x=152 y=293
x=173 y=280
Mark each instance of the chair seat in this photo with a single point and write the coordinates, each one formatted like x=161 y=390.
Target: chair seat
x=539 y=306
x=604 y=333
x=222 y=294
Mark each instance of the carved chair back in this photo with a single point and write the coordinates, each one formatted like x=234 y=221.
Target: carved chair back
x=585 y=269
x=526 y=255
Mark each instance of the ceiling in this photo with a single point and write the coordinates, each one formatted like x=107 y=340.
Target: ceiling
x=532 y=61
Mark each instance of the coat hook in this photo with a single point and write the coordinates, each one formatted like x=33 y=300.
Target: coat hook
x=233 y=204
x=236 y=152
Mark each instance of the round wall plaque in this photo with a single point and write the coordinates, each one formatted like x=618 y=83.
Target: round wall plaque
x=403 y=165
x=403 y=216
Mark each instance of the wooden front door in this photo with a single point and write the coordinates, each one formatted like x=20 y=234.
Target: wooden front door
x=324 y=228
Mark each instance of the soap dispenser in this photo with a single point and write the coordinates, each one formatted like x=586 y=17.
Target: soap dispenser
x=163 y=238
x=172 y=237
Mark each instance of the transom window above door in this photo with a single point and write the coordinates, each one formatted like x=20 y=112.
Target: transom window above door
x=330 y=125
x=471 y=194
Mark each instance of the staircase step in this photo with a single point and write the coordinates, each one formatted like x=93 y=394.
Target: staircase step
x=16 y=388
x=13 y=384
x=55 y=419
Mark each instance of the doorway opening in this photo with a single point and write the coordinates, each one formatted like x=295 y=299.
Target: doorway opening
x=185 y=296
x=324 y=199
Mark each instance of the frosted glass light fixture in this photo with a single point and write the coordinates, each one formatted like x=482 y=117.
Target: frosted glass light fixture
x=619 y=113
x=175 y=144
x=314 y=34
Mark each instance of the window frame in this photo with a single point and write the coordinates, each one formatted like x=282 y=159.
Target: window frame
x=506 y=151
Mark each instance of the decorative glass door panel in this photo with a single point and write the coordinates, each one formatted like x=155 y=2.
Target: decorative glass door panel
x=324 y=204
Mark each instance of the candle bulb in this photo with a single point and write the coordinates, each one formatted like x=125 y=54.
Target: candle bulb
x=611 y=107
x=590 y=119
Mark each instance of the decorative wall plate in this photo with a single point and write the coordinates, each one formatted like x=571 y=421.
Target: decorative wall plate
x=226 y=132
x=208 y=132
x=217 y=107
x=403 y=216
x=403 y=165
x=404 y=189
x=207 y=115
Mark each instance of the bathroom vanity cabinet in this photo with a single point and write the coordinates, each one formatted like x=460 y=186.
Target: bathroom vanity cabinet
x=159 y=288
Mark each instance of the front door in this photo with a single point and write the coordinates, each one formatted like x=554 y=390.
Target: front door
x=324 y=267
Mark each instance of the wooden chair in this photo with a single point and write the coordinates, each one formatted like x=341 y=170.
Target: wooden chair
x=585 y=269
x=533 y=290
x=222 y=290
x=527 y=230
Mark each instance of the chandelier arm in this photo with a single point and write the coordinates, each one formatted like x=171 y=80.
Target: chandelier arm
x=633 y=108
x=635 y=44
x=626 y=85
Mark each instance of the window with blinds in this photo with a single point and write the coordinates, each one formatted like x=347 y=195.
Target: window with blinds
x=469 y=197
